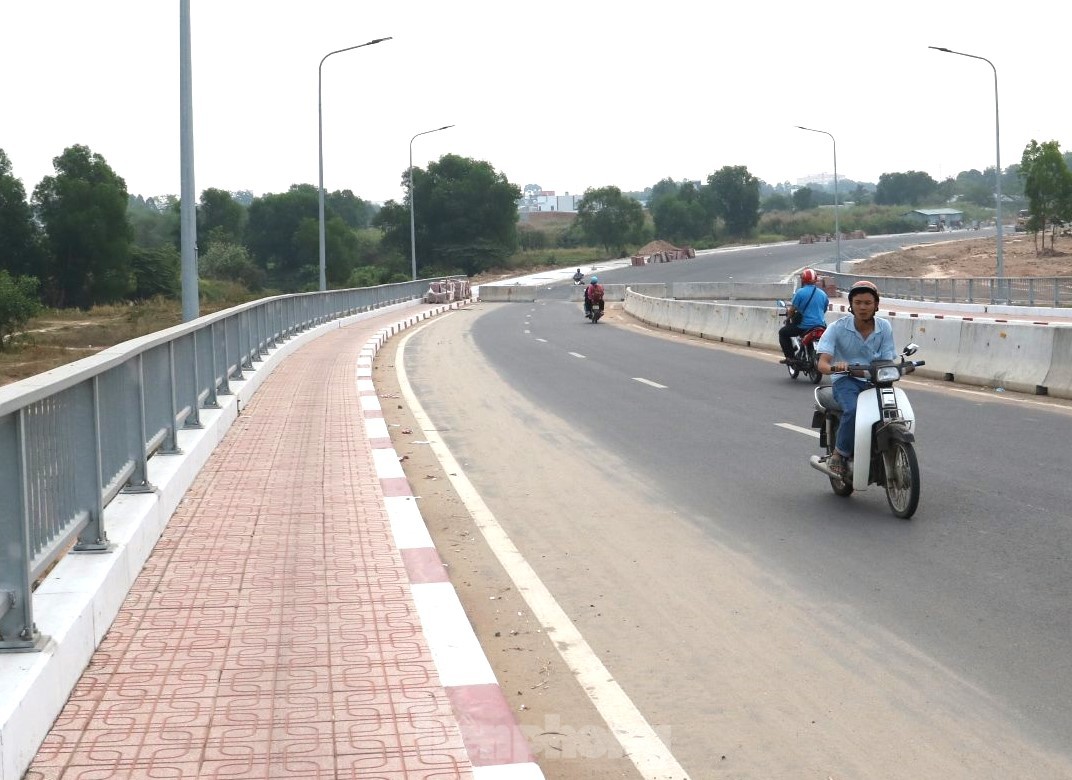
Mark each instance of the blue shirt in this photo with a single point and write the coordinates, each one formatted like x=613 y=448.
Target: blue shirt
x=844 y=343
x=814 y=311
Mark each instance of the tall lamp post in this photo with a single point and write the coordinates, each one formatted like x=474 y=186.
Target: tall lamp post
x=997 y=143
x=187 y=205
x=837 y=226
x=320 y=137
x=412 y=221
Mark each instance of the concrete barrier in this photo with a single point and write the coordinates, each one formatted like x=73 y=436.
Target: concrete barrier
x=508 y=292
x=742 y=291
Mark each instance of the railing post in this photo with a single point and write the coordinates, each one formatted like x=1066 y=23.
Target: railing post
x=88 y=487
x=139 y=480
x=170 y=445
x=18 y=632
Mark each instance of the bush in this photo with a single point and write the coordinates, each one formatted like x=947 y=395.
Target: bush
x=18 y=303
x=231 y=262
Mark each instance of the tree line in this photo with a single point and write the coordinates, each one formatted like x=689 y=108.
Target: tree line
x=82 y=239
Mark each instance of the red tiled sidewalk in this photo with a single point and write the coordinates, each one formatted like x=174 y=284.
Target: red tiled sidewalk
x=272 y=632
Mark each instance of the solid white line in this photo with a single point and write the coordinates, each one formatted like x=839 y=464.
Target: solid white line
x=577 y=355
x=799 y=429
x=638 y=739
x=648 y=382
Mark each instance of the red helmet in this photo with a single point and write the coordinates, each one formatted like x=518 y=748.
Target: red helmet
x=808 y=276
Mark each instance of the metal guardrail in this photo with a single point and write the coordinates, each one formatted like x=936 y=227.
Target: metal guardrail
x=74 y=437
x=1016 y=291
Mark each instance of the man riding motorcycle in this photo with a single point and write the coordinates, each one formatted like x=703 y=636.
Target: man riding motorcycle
x=578 y=277
x=811 y=302
x=593 y=296
x=860 y=338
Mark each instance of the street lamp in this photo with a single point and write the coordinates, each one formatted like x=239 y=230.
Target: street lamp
x=837 y=227
x=187 y=204
x=412 y=222
x=997 y=139
x=320 y=117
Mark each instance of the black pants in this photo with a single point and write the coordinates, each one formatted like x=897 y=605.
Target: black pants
x=786 y=333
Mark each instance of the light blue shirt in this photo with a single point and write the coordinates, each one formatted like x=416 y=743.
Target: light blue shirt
x=814 y=311
x=844 y=343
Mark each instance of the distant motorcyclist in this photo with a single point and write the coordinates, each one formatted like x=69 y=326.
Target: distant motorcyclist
x=578 y=277
x=593 y=296
x=860 y=338
x=811 y=302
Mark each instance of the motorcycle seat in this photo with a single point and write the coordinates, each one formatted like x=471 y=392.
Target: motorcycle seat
x=824 y=396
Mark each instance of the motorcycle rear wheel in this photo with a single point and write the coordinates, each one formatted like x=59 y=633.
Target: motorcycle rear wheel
x=902 y=479
x=813 y=366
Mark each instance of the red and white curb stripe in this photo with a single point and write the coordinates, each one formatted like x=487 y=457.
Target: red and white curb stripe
x=496 y=746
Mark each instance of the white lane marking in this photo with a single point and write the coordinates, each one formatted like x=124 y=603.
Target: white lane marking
x=527 y=330
x=798 y=429
x=543 y=340
x=577 y=355
x=648 y=382
x=638 y=738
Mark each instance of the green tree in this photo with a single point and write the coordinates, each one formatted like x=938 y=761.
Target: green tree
x=804 y=199
x=155 y=271
x=353 y=211
x=1047 y=185
x=84 y=212
x=860 y=196
x=219 y=218
x=732 y=194
x=155 y=222
x=899 y=189
x=21 y=251
x=18 y=303
x=607 y=217
x=973 y=187
x=274 y=221
x=465 y=219
x=679 y=216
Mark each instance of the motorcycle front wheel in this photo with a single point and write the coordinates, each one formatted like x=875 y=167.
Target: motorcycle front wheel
x=902 y=479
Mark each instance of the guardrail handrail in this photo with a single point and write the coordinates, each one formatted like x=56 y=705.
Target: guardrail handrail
x=73 y=438
x=1012 y=290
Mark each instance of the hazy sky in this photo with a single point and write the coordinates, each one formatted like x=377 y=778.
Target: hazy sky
x=567 y=95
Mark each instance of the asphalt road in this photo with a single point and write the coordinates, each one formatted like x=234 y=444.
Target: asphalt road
x=968 y=605
x=768 y=263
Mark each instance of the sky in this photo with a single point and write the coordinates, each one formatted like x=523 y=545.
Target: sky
x=567 y=96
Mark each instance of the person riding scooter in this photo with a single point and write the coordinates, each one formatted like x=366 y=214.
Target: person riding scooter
x=578 y=277
x=593 y=296
x=857 y=339
x=811 y=303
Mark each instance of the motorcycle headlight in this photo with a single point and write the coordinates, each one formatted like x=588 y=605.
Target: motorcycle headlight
x=887 y=374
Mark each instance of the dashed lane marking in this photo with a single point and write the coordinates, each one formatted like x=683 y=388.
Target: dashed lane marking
x=798 y=429
x=577 y=355
x=648 y=382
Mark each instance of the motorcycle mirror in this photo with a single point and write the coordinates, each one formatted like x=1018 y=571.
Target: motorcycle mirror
x=911 y=349
x=781 y=303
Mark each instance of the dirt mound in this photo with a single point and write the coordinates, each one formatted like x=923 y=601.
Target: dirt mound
x=973 y=258
x=657 y=246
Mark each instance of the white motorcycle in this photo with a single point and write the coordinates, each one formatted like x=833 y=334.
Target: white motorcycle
x=884 y=453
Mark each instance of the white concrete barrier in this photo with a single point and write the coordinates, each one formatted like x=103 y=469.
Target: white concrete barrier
x=508 y=292
x=740 y=291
